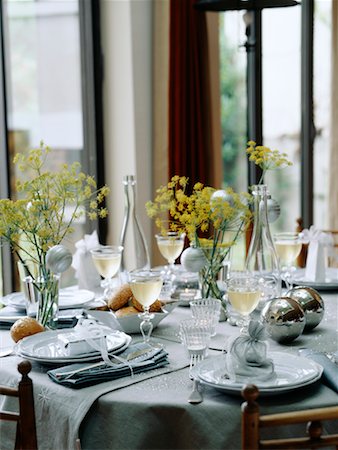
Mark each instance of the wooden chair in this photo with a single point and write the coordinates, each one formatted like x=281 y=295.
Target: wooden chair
x=25 y=418
x=252 y=422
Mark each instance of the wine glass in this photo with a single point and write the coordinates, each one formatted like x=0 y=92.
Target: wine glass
x=107 y=260
x=146 y=286
x=244 y=295
x=171 y=246
x=288 y=246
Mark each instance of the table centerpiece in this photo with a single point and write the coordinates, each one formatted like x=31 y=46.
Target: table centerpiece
x=211 y=219
x=42 y=216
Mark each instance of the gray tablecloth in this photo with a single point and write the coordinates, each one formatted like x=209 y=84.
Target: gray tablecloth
x=154 y=413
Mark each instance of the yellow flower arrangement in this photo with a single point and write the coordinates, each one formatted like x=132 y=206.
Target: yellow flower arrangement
x=47 y=206
x=266 y=158
x=206 y=216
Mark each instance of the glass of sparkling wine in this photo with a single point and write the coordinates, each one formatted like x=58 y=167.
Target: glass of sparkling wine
x=171 y=246
x=244 y=295
x=146 y=286
x=107 y=260
x=288 y=246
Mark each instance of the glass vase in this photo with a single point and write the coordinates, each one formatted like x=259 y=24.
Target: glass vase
x=262 y=257
x=42 y=298
x=135 y=253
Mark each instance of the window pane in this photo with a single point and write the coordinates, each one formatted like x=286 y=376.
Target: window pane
x=233 y=111
x=233 y=100
x=43 y=82
x=322 y=108
x=281 y=34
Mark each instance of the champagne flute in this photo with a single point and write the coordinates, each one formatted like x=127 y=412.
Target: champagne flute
x=146 y=286
x=171 y=245
x=107 y=260
x=244 y=295
x=288 y=246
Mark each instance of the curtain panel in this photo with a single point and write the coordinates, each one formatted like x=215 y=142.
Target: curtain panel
x=191 y=141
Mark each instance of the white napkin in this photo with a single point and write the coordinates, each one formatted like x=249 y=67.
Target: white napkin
x=320 y=247
x=85 y=271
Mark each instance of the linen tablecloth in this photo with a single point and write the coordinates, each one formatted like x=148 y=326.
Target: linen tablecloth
x=154 y=413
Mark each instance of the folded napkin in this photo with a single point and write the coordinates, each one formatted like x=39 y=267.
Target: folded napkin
x=85 y=272
x=330 y=369
x=139 y=357
x=247 y=356
x=320 y=247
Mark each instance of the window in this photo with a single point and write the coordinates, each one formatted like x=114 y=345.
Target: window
x=46 y=53
x=282 y=84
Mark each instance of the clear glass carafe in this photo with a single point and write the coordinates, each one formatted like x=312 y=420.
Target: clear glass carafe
x=135 y=253
x=262 y=257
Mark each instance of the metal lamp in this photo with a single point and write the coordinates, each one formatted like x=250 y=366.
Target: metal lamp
x=237 y=5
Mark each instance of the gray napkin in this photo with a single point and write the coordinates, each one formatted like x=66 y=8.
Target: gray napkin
x=139 y=357
x=330 y=369
x=247 y=356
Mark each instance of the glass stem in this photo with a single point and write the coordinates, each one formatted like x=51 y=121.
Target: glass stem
x=146 y=325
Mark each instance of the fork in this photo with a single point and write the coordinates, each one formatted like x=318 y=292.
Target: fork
x=195 y=395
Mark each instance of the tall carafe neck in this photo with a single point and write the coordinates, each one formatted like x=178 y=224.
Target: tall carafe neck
x=135 y=253
x=262 y=256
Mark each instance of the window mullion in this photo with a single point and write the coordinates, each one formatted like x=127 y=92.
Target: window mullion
x=6 y=260
x=307 y=121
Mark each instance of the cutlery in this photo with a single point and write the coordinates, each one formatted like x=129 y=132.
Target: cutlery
x=131 y=357
x=195 y=397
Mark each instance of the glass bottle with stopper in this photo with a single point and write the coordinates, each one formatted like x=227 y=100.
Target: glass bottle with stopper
x=262 y=258
x=135 y=253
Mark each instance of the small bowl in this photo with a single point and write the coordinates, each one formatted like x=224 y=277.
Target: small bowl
x=131 y=323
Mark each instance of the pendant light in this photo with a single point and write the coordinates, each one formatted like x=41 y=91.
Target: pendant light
x=237 y=5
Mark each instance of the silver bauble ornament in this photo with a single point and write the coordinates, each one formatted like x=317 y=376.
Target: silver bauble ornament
x=273 y=210
x=284 y=319
x=58 y=258
x=193 y=259
x=311 y=303
x=223 y=195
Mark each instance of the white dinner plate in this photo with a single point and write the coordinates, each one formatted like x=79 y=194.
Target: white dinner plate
x=330 y=283
x=48 y=347
x=292 y=372
x=69 y=298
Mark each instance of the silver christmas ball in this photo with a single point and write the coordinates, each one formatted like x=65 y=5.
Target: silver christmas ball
x=58 y=258
x=311 y=303
x=284 y=319
x=223 y=195
x=273 y=210
x=193 y=259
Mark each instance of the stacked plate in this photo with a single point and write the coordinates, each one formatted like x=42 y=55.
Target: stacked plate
x=69 y=298
x=292 y=372
x=330 y=283
x=48 y=347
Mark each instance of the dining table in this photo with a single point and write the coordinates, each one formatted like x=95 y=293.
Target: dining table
x=150 y=410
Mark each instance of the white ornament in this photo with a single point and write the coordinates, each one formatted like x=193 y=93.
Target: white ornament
x=193 y=259
x=58 y=258
x=273 y=210
x=223 y=195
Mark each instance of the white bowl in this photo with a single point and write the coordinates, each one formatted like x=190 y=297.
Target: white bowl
x=131 y=323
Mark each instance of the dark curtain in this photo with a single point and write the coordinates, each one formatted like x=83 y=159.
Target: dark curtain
x=190 y=138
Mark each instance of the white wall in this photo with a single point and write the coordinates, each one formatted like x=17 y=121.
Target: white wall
x=127 y=49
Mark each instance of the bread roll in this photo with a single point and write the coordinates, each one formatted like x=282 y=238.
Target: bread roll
x=120 y=298
x=155 y=307
x=26 y=326
x=126 y=311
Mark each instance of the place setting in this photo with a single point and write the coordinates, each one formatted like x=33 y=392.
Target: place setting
x=247 y=356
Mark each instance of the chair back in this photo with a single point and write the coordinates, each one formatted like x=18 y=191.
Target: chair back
x=26 y=428
x=253 y=422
